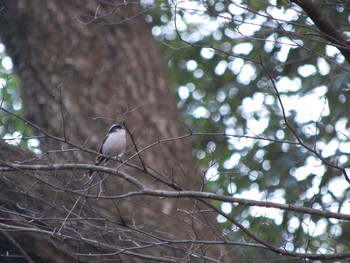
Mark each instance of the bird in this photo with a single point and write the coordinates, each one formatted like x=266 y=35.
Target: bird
x=113 y=145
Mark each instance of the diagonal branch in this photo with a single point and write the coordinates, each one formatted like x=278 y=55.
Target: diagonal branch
x=136 y=148
x=299 y=140
x=17 y=246
x=325 y=26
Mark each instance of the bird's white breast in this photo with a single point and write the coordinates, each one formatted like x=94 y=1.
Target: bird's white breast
x=115 y=144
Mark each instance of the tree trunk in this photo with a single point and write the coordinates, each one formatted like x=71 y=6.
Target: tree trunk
x=81 y=71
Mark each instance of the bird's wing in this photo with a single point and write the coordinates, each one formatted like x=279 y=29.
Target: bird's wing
x=100 y=158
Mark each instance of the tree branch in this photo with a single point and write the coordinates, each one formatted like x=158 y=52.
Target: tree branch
x=17 y=246
x=170 y=194
x=325 y=26
x=297 y=137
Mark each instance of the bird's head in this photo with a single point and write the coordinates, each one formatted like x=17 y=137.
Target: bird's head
x=115 y=128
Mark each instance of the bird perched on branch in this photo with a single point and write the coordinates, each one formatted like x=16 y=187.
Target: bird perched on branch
x=113 y=145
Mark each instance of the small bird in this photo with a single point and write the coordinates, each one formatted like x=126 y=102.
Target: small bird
x=113 y=145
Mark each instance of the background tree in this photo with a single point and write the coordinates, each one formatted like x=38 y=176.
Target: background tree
x=277 y=73
x=277 y=170
x=76 y=80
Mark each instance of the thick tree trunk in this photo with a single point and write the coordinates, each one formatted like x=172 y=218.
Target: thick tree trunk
x=78 y=76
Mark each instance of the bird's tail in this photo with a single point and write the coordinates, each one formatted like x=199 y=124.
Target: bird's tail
x=99 y=160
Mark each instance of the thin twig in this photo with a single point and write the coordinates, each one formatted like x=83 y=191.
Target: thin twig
x=17 y=246
x=135 y=145
x=294 y=132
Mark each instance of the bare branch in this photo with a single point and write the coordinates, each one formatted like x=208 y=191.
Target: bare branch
x=170 y=194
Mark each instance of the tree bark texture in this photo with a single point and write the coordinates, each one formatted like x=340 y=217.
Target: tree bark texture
x=81 y=71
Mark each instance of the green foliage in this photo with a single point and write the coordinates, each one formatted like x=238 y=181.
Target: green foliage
x=213 y=53
x=12 y=129
x=9 y=96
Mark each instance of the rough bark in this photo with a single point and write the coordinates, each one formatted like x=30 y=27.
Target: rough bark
x=77 y=78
